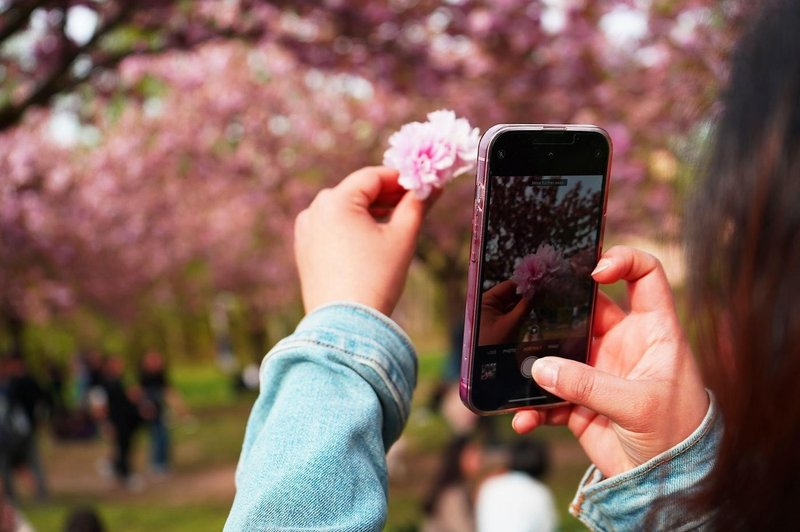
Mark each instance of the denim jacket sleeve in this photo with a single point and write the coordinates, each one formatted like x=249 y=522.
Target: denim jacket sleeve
x=624 y=502
x=334 y=396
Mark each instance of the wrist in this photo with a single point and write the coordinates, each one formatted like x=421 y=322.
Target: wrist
x=626 y=499
x=370 y=343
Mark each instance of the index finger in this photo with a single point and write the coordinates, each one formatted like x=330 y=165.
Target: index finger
x=607 y=314
x=502 y=290
x=647 y=284
x=363 y=187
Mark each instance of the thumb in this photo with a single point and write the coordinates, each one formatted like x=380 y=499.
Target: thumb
x=408 y=215
x=618 y=399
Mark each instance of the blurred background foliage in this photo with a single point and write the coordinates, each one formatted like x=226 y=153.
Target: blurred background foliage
x=154 y=154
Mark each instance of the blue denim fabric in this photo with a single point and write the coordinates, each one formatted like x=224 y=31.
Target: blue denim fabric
x=334 y=396
x=623 y=502
x=159 y=444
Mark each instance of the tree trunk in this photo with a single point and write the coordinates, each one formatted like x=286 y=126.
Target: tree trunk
x=15 y=328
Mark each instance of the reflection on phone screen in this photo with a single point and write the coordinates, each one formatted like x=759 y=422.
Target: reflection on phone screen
x=540 y=247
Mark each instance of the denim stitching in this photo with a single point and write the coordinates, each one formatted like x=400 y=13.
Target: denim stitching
x=374 y=314
x=364 y=361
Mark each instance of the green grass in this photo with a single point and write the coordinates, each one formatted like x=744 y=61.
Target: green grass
x=213 y=438
x=431 y=365
x=133 y=517
x=203 y=385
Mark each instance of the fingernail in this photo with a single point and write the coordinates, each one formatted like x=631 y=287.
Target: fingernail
x=545 y=373
x=602 y=266
x=514 y=423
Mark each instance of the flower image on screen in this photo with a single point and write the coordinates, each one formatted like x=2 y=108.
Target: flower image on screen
x=536 y=292
x=541 y=237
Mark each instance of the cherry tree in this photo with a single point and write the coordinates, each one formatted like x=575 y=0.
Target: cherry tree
x=200 y=129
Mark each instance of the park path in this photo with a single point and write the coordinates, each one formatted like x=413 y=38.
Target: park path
x=75 y=471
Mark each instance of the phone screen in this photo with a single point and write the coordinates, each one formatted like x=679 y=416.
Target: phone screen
x=541 y=239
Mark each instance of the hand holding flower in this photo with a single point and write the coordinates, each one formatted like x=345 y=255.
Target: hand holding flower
x=355 y=241
x=502 y=312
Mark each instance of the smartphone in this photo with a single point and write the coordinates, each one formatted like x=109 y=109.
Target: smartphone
x=537 y=233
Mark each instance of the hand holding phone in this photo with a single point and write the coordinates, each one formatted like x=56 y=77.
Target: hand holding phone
x=644 y=393
x=537 y=232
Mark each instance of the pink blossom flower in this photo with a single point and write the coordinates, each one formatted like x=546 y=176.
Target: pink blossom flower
x=536 y=270
x=429 y=154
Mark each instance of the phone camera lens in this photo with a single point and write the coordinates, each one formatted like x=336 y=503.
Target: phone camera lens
x=598 y=154
x=501 y=154
x=550 y=155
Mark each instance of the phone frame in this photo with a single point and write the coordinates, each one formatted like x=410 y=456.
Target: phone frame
x=476 y=251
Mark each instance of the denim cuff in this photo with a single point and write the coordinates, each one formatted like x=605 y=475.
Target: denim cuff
x=625 y=501
x=373 y=346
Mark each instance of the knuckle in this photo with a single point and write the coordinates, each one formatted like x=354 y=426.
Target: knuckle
x=583 y=388
x=300 y=222
x=657 y=264
x=323 y=195
x=324 y=200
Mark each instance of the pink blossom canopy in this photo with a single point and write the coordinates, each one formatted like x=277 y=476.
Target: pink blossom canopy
x=429 y=154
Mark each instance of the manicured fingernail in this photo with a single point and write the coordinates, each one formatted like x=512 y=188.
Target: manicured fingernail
x=545 y=373
x=602 y=266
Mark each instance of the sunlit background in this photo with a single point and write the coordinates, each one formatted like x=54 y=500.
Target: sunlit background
x=153 y=155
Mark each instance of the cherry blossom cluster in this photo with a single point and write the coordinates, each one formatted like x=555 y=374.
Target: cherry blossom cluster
x=430 y=154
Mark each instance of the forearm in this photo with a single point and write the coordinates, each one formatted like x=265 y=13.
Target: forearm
x=334 y=396
x=652 y=494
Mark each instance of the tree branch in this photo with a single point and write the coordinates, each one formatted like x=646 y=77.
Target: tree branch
x=58 y=80
x=16 y=18
x=11 y=113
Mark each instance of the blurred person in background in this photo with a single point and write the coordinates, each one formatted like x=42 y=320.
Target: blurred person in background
x=88 y=370
x=447 y=506
x=24 y=401
x=11 y=519
x=55 y=379
x=155 y=389
x=510 y=497
x=491 y=486
x=118 y=405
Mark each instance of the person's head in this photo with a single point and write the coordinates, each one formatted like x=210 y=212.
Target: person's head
x=743 y=243
x=114 y=367
x=529 y=456
x=16 y=366
x=83 y=519
x=152 y=361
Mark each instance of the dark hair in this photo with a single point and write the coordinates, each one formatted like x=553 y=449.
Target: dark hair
x=83 y=519
x=743 y=245
x=449 y=473
x=529 y=456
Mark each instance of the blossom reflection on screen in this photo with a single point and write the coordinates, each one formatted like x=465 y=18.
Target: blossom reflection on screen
x=539 y=270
